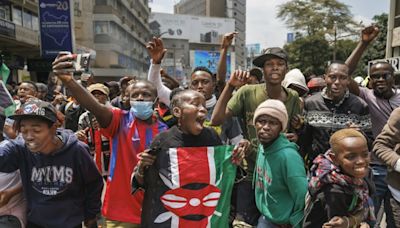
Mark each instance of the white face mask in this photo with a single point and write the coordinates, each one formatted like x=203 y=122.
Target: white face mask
x=142 y=109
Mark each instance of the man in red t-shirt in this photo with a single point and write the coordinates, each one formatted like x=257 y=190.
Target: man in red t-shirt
x=130 y=132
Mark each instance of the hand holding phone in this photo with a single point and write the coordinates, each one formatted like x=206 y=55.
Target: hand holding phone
x=80 y=62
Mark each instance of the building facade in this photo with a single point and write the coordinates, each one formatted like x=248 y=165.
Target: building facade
x=117 y=30
x=393 y=32
x=19 y=36
x=235 y=9
x=191 y=41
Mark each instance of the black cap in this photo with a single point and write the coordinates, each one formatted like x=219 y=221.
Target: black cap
x=269 y=53
x=36 y=108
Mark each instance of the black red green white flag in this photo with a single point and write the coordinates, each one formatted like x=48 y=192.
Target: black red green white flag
x=200 y=185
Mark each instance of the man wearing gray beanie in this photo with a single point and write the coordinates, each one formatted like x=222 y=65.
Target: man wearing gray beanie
x=243 y=103
x=279 y=173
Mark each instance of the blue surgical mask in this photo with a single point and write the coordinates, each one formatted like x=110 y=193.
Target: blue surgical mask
x=142 y=109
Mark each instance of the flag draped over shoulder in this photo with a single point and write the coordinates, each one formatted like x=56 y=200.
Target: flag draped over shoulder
x=200 y=187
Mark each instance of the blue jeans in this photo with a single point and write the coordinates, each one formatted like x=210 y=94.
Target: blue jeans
x=382 y=192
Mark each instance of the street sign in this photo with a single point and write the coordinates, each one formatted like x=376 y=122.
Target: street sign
x=395 y=62
x=55 y=27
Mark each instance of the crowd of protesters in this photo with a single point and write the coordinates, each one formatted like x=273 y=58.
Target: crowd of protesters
x=311 y=152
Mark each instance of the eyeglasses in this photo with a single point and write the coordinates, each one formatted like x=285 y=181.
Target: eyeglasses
x=377 y=76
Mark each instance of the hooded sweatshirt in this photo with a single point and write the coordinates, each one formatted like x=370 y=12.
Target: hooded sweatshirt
x=280 y=182
x=296 y=78
x=62 y=189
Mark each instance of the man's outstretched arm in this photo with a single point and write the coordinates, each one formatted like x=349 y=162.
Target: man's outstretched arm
x=368 y=34
x=102 y=113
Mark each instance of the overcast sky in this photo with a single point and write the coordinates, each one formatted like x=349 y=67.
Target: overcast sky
x=263 y=27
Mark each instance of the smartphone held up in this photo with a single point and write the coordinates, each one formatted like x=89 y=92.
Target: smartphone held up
x=80 y=62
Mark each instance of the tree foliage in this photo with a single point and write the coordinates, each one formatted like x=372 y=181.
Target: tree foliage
x=323 y=27
x=317 y=16
x=308 y=53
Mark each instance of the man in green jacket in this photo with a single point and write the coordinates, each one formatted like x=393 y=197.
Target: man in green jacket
x=279 y=177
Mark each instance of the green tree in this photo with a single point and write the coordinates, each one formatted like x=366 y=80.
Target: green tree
x=308 y=53
x=317 y=17
x=320 y=26
x=344 y=49
x=312 y=53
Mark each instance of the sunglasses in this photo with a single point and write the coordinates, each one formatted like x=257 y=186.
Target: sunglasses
x=385 y=76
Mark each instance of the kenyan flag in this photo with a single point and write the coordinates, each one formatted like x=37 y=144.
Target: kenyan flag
x=200 y=186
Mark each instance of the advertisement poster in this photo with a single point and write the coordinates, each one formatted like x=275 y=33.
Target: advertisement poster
x=210 y=59
x=193 y=28
x=55 y=27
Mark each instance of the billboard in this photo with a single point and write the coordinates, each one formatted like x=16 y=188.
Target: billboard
x=193 y=28
x=55 y=27
x=210 y=60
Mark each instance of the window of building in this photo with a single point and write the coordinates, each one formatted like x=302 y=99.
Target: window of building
x=77 y=9
x=397 y=21
x=112 y=3
x=101 y=27
x=35 y=23
x=119 y=7
x=17 y=15
x=5 y=12
x=101 y=2
x=27 y=19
